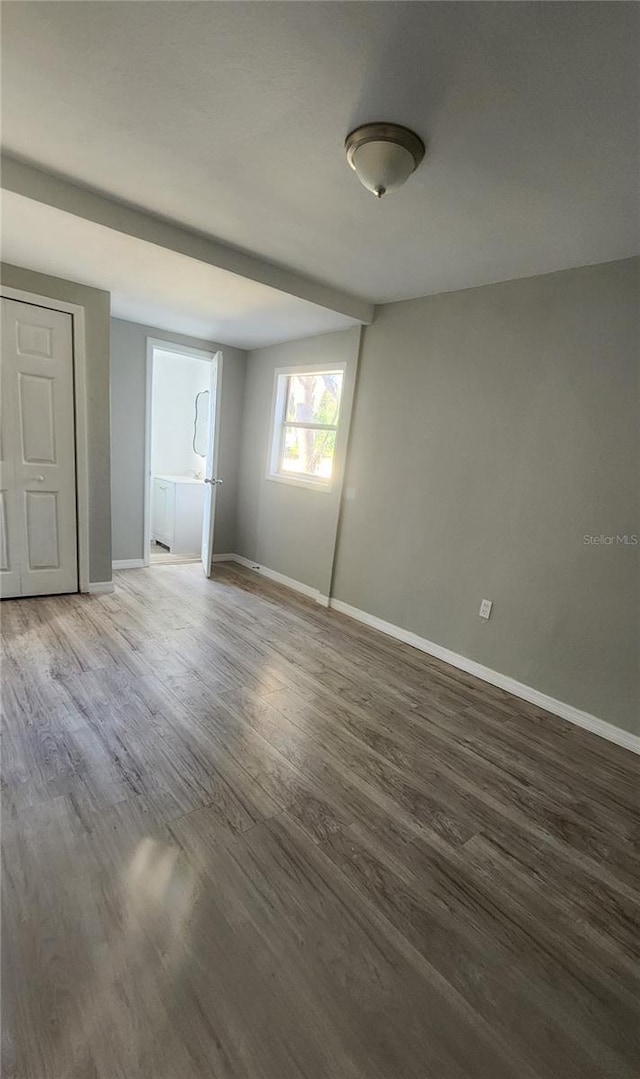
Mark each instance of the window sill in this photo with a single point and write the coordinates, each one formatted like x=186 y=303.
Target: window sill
x=309 y=485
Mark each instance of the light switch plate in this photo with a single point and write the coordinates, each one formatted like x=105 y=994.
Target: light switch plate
x=485 y=608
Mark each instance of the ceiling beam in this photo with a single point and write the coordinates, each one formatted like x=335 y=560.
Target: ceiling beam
x=26 y=179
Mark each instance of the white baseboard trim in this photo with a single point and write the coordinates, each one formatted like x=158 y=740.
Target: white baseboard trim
x=273 y=575
x=128 y=563
x=527 y=693
x=97 y=588
x=279 y=578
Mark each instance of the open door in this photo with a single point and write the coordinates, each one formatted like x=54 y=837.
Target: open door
x=212 y=480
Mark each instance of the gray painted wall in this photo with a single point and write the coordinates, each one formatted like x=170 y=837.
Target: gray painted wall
x=97 y=310
x=128 y=391
x=290 y=529
x=493 y=429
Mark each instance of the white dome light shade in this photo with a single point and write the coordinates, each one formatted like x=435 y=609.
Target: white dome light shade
x=383 y=156
x=382 y=166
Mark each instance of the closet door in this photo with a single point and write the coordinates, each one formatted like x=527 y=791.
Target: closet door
x=38 y=526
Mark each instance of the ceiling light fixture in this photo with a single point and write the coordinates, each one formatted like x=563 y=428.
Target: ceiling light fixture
x=383 y=156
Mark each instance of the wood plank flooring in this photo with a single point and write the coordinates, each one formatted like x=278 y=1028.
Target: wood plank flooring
x=248 y=838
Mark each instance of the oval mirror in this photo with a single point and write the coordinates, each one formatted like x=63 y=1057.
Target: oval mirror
x=201 y=424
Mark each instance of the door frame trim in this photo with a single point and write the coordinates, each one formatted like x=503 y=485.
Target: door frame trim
x=161 y=345
x=78 y=332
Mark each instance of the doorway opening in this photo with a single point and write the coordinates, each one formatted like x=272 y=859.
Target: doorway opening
x=183 y=403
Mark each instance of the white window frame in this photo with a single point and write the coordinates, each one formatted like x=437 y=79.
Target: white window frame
x=278 y=405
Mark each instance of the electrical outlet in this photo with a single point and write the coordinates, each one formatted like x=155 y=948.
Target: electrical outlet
x=485 y=608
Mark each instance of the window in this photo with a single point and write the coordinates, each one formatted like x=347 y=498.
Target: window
x=305 y=426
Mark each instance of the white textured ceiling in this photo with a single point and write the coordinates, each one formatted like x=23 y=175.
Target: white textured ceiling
x=154 y=286
x=230 y=118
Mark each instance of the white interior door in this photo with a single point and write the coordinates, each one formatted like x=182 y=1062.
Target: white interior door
x=212 y=479
x=38 y=516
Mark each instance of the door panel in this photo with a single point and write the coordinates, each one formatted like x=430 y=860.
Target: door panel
x=38 y=468
x=9 y=512
x=34 y=340
x=43 y=547
x=212 y=480
x=36 y=411
x=4 y=539
x=163 y=511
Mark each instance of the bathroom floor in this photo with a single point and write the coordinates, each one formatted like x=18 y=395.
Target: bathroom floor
x=159 y=554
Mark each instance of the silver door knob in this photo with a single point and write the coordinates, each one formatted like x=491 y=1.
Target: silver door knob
x=37 y=479
x=212 y=481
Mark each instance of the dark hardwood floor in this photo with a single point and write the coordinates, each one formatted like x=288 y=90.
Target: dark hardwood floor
x=248 y=838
